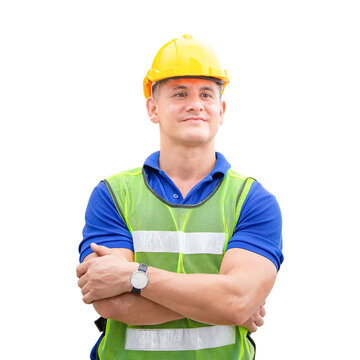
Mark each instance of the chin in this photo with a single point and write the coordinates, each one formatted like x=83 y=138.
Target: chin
x=196 y=140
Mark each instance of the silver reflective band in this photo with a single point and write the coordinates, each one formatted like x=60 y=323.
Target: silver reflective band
x=178 y=242
x=179 y=339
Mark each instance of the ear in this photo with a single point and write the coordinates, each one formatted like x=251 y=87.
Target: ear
x=152 y=109
x=222 y=112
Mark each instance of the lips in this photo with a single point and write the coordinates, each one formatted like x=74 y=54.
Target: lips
x=194 y=118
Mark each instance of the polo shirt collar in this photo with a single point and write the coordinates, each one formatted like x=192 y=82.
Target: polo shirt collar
x=220 y=169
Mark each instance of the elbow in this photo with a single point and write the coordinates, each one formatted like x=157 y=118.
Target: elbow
x=241 y=310
x=105 y=308
x=239 y=318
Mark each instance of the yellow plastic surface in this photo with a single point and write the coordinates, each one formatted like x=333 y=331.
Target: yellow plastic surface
x=184 y=57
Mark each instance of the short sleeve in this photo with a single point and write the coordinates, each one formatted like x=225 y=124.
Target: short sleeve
x=103 y=224
x=259 y=227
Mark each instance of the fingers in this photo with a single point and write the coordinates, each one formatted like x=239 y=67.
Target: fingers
x=250 y=324
x=256 y=320
x=92 y=287
x=83 y=285
x=251 y=327
x=100 y=250
x=88 y=297
x=259 y=321
x=81 y=269
x=258 y=317
x=82 y=281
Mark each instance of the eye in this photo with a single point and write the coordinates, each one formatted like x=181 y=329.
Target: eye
x=180 y=94
x=206 y=95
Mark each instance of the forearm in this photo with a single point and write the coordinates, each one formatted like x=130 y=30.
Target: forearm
x=134 y=310
x=230 y=297
x=206 y=298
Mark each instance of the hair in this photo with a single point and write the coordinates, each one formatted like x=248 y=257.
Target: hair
x=156 y=87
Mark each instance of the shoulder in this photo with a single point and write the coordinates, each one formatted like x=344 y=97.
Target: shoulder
x=260 y=209
x=261 y=200
x=239 y=179
x=126 y=174
x=103 y=197
x=123 y=180
x=235 y=175
x=100 y=200
x=256 y=193
x=261 y=215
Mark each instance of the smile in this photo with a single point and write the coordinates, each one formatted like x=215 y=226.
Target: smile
x=194 y=119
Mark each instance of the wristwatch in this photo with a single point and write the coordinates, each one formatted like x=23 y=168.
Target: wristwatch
x=139 y=279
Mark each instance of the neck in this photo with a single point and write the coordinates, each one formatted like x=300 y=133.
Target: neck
x=185 y=165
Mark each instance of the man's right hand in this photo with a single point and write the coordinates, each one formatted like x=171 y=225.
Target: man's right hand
x=255 y=320
x=105 y=276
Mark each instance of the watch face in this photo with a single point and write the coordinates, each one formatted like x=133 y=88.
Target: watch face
x=139 y=279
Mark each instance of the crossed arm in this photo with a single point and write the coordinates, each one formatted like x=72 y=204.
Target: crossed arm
x=235 y=296
x=129 y=308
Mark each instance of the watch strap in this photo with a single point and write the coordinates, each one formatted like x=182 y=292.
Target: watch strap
x=143 y=267
x=135 y=291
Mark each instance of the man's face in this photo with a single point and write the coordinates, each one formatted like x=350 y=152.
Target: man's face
x=189 y=111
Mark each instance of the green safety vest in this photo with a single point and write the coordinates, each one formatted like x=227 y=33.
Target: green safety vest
x=182 y=239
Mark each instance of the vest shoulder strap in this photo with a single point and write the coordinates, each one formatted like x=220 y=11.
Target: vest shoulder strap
x=119 y=183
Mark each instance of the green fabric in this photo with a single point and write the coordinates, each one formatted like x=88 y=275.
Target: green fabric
x=142 y=210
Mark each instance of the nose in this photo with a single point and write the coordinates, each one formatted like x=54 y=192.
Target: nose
x=194 y=104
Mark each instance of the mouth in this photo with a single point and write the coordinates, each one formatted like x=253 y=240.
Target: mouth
x=194 y=118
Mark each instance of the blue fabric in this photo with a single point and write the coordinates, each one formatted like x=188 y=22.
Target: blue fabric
x=258 y=228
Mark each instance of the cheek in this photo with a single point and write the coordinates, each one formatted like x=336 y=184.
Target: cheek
x=215 y=113
x=171 y=110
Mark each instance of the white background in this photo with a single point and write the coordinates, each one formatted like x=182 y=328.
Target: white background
x=72 y=113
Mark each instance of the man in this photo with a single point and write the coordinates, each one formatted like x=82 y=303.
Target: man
x=180 y=255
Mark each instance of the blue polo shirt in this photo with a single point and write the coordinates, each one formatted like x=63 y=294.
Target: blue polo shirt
x=258 y=228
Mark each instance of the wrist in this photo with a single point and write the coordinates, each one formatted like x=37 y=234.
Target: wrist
x=139 y=279
x=133 y=266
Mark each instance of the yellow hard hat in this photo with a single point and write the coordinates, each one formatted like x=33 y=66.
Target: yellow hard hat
x=184 y=57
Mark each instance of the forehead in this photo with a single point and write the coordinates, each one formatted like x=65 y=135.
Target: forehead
x=193 y=83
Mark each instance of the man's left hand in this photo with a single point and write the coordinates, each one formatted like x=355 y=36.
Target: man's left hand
x=256 y=320
x=105 y=276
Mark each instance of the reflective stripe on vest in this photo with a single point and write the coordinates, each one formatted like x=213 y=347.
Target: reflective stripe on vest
x=179 y=339
x=178 y=242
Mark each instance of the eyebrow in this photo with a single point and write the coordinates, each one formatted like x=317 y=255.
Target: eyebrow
x=183 y=87
x=208 y=88
x=176 y=87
